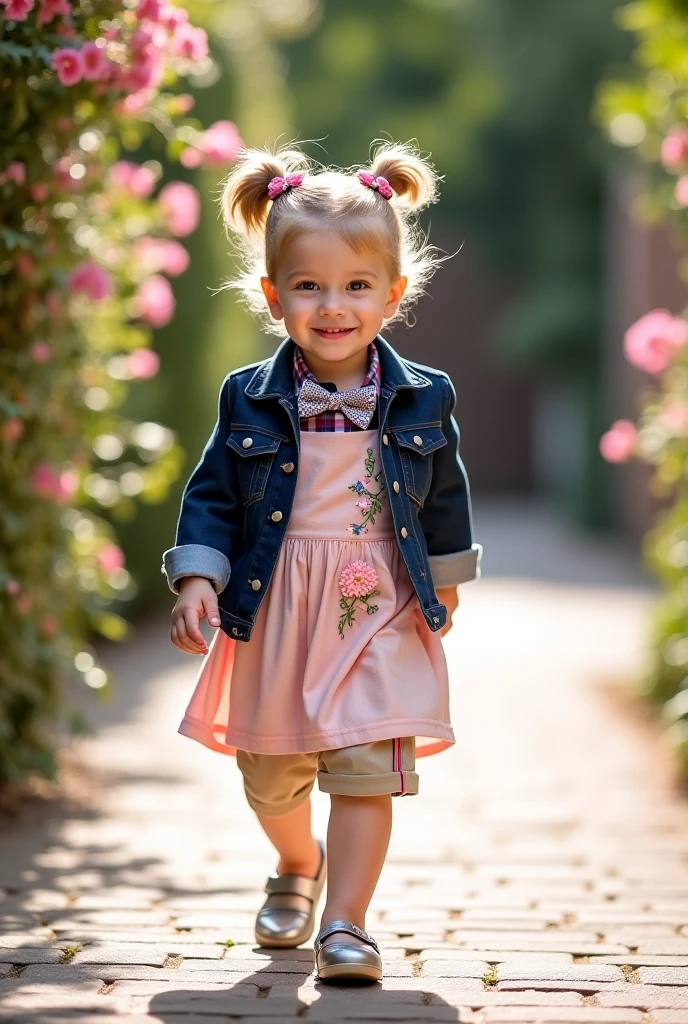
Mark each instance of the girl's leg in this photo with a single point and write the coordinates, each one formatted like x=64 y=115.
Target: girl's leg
x=298 y=851
x=292 y=837
x=357 y=840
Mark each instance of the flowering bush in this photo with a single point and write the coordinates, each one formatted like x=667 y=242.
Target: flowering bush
x=87 y=247
x=648 y=114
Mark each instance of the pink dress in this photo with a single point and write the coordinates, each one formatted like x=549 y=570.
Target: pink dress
x=317 y=675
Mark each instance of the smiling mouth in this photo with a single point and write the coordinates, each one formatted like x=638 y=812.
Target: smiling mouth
x=333 y=330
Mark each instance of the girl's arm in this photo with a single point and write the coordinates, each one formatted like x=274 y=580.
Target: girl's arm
x=209 y=519
x=446 y=517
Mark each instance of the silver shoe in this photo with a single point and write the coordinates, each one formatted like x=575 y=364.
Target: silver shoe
x=279 y=924
x=347 y=961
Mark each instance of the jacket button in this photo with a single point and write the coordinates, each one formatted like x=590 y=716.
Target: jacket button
x=276 y=516
x=247 y=442
x=385 y=439
x=288 y=467
x=256 y=584
x=404 y=532
x=417 y=440
x=395 y=485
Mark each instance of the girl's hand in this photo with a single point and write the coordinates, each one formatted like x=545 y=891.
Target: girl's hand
x=197 y=598
x=448 y=596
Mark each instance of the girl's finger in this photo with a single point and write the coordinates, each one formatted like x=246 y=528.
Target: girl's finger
x=184 y=643
x=193 y=633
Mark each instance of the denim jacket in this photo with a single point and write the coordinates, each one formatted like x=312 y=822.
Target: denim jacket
x=237 y=502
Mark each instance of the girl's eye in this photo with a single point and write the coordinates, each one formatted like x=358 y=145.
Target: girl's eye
x=358 y=286
x=307 y=286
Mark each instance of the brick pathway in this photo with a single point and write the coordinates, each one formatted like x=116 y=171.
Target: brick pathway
x=541 y=876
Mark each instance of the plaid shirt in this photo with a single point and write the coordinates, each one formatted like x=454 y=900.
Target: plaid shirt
x=336 y=420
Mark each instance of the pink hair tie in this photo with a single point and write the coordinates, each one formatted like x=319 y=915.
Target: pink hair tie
x=379 y=183
x=279 y=185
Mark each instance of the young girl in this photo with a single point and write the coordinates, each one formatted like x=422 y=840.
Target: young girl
x=330 y=512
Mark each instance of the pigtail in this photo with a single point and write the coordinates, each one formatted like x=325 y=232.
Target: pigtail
x=412 y=178
x=245 y=201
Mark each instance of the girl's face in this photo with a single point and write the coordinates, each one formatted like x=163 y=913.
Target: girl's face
x=332 y=299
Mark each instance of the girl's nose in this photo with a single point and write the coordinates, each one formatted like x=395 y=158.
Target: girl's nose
x=331 y=304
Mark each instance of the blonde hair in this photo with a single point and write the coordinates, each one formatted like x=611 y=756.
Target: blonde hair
x=334 y=198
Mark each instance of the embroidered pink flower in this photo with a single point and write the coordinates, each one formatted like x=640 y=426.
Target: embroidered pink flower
x=357 y=579
x=364 y=504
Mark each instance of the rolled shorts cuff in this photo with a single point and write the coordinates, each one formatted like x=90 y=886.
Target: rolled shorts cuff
x=401 y=783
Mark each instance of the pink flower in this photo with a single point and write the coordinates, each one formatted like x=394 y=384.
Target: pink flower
x=652 y=341
x=92 y=280
x=120 y=173
x=12 y=430
x=18 y=10
x=180 y=206
x=24 y=604
x=364 y=504
x=190 y=42
x=48 y=482
x=110 y=557
x=618 y=444
x=155 y=300
x=69 y=65
x=15 y=171
x=175 y=258
x=365 y=480
x=681 y=190
x=49 y=625
x=12 y=587
x=221 y=143
x=143 y=363
x=38 y=191
x=675 y=416
x=675 y=149
x=149 y=9
x=96 y=64
x=51 y=9
x=172 y=17
x=357 y=579
x=41 y=351
x=142 y=182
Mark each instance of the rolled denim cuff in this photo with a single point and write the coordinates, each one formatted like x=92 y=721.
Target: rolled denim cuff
x=195 y=560
x=456 y=567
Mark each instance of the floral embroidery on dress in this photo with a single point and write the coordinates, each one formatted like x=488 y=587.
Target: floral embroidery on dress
x=357 y=582
x=369 y=501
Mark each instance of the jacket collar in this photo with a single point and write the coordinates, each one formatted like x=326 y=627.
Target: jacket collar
x=274 y=378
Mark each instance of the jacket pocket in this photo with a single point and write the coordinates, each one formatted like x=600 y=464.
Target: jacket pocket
x=255 y=451
x=415 y=445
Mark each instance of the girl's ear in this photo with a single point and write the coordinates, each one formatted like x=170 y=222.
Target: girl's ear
x=270 y=293
x=396 y=294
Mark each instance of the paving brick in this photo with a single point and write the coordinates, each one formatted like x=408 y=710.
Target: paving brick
x=664 y=975
x=646 y=997
x=445 y=952
x=558 y=1015
x=523 y=971
x=670 y=1016
x=30 y=955
x=454 y=969
x=644 y=959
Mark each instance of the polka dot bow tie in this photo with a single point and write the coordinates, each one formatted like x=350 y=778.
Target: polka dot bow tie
x=357 y=403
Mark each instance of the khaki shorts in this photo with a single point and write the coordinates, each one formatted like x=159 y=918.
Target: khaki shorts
x=278 y=783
